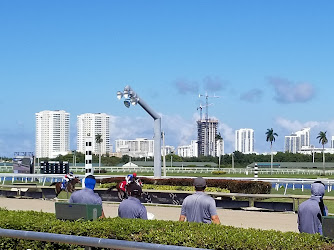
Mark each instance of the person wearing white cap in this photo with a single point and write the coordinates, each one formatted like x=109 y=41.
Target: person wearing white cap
x=199 y=207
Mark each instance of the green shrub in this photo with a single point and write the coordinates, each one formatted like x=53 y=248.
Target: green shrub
x=234 y=186
x=183 y=188
x=219 y=172
x=160 y=232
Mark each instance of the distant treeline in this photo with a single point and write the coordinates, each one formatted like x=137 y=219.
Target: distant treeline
x=240 y=159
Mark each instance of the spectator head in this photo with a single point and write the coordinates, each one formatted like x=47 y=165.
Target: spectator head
x=90 y=182
x=200 y=184
x=318 y=189
x=134 y=189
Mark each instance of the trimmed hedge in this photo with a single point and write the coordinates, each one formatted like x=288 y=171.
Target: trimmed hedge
x=165 y=187
x=155 y=231
x=234 y=186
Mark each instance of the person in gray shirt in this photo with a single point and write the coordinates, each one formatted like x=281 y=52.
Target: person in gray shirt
x=132 y=207
x=87 y=195
x=311 y=210
x=199 y=207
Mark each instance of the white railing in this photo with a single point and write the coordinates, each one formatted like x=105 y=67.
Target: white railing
x=246 y=171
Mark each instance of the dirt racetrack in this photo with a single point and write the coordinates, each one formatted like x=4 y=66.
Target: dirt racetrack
x=238 y=218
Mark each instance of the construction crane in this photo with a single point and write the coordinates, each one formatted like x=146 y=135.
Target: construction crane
x=200 y=108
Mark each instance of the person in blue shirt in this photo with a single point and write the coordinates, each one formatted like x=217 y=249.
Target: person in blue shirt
x=310 y=212
x=132 y=207
x=87 y=195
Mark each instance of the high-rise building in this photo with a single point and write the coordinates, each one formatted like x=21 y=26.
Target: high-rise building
x=140 y=147
x=332 y=142
x=292 y=143
x=188 y=150
x=298 y=140
x=52 y=133
x=244 y=140
x=220 y=147
x=304 y=135
x=93 y=124
x=206 y=137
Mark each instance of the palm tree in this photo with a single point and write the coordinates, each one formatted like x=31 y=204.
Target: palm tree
x=271 y=137
x=323 y=140
x=99 y=140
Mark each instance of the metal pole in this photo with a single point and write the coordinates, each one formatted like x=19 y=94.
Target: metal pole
x=164 y=152
x=232 y=160
x=157 y=148
x=85 y=241
x=157 y=131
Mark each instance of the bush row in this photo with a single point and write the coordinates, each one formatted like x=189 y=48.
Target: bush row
x=234 y=186
x=165 y=187
x=155 y=231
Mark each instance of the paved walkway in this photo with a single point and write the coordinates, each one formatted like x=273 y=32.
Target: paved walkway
x=237 y=218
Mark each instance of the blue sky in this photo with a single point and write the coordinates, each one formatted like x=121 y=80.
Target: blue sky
x=269 y=61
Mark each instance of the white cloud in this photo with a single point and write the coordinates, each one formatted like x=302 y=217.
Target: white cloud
x=178 y=131
x=228 y=135
x=288 y=92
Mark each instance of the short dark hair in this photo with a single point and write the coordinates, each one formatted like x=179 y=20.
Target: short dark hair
x=90 y=176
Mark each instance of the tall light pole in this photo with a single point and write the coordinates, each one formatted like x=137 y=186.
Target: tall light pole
x=164 y=152
x=132 y=98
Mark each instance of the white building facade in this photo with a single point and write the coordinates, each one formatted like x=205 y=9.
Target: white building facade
x=220 y=147
x=52 y=133
x=298 y=140
x=188 y=150
x=292 y=143
x=93 y=125
x=140 y=147
x=244 y=140
x=168 y=150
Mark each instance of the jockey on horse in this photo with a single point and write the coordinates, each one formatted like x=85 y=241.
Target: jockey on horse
x=124 y=184
x=67 y=178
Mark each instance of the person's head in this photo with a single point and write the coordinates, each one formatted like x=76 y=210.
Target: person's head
x=318 y=189
x=71 y=173
x=90 y=182
x=134 y=175
x=199 y=184
x=134 y=189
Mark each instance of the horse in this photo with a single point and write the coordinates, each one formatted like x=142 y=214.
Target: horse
x=70 y=186
x=121 y=189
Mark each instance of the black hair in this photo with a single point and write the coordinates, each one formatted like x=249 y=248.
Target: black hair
x=90 y=176
x=200 y=188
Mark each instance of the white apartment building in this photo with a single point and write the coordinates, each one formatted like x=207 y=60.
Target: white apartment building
x=304 y=135
x=188 y=150
x=298 y=140
x=140 y=147
x=244 y=140
x=93 y=125
x=52 y=133
x=292 y=143
x=168 y=150
x=220 y=147
x=332 y=142
x=206 y=137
